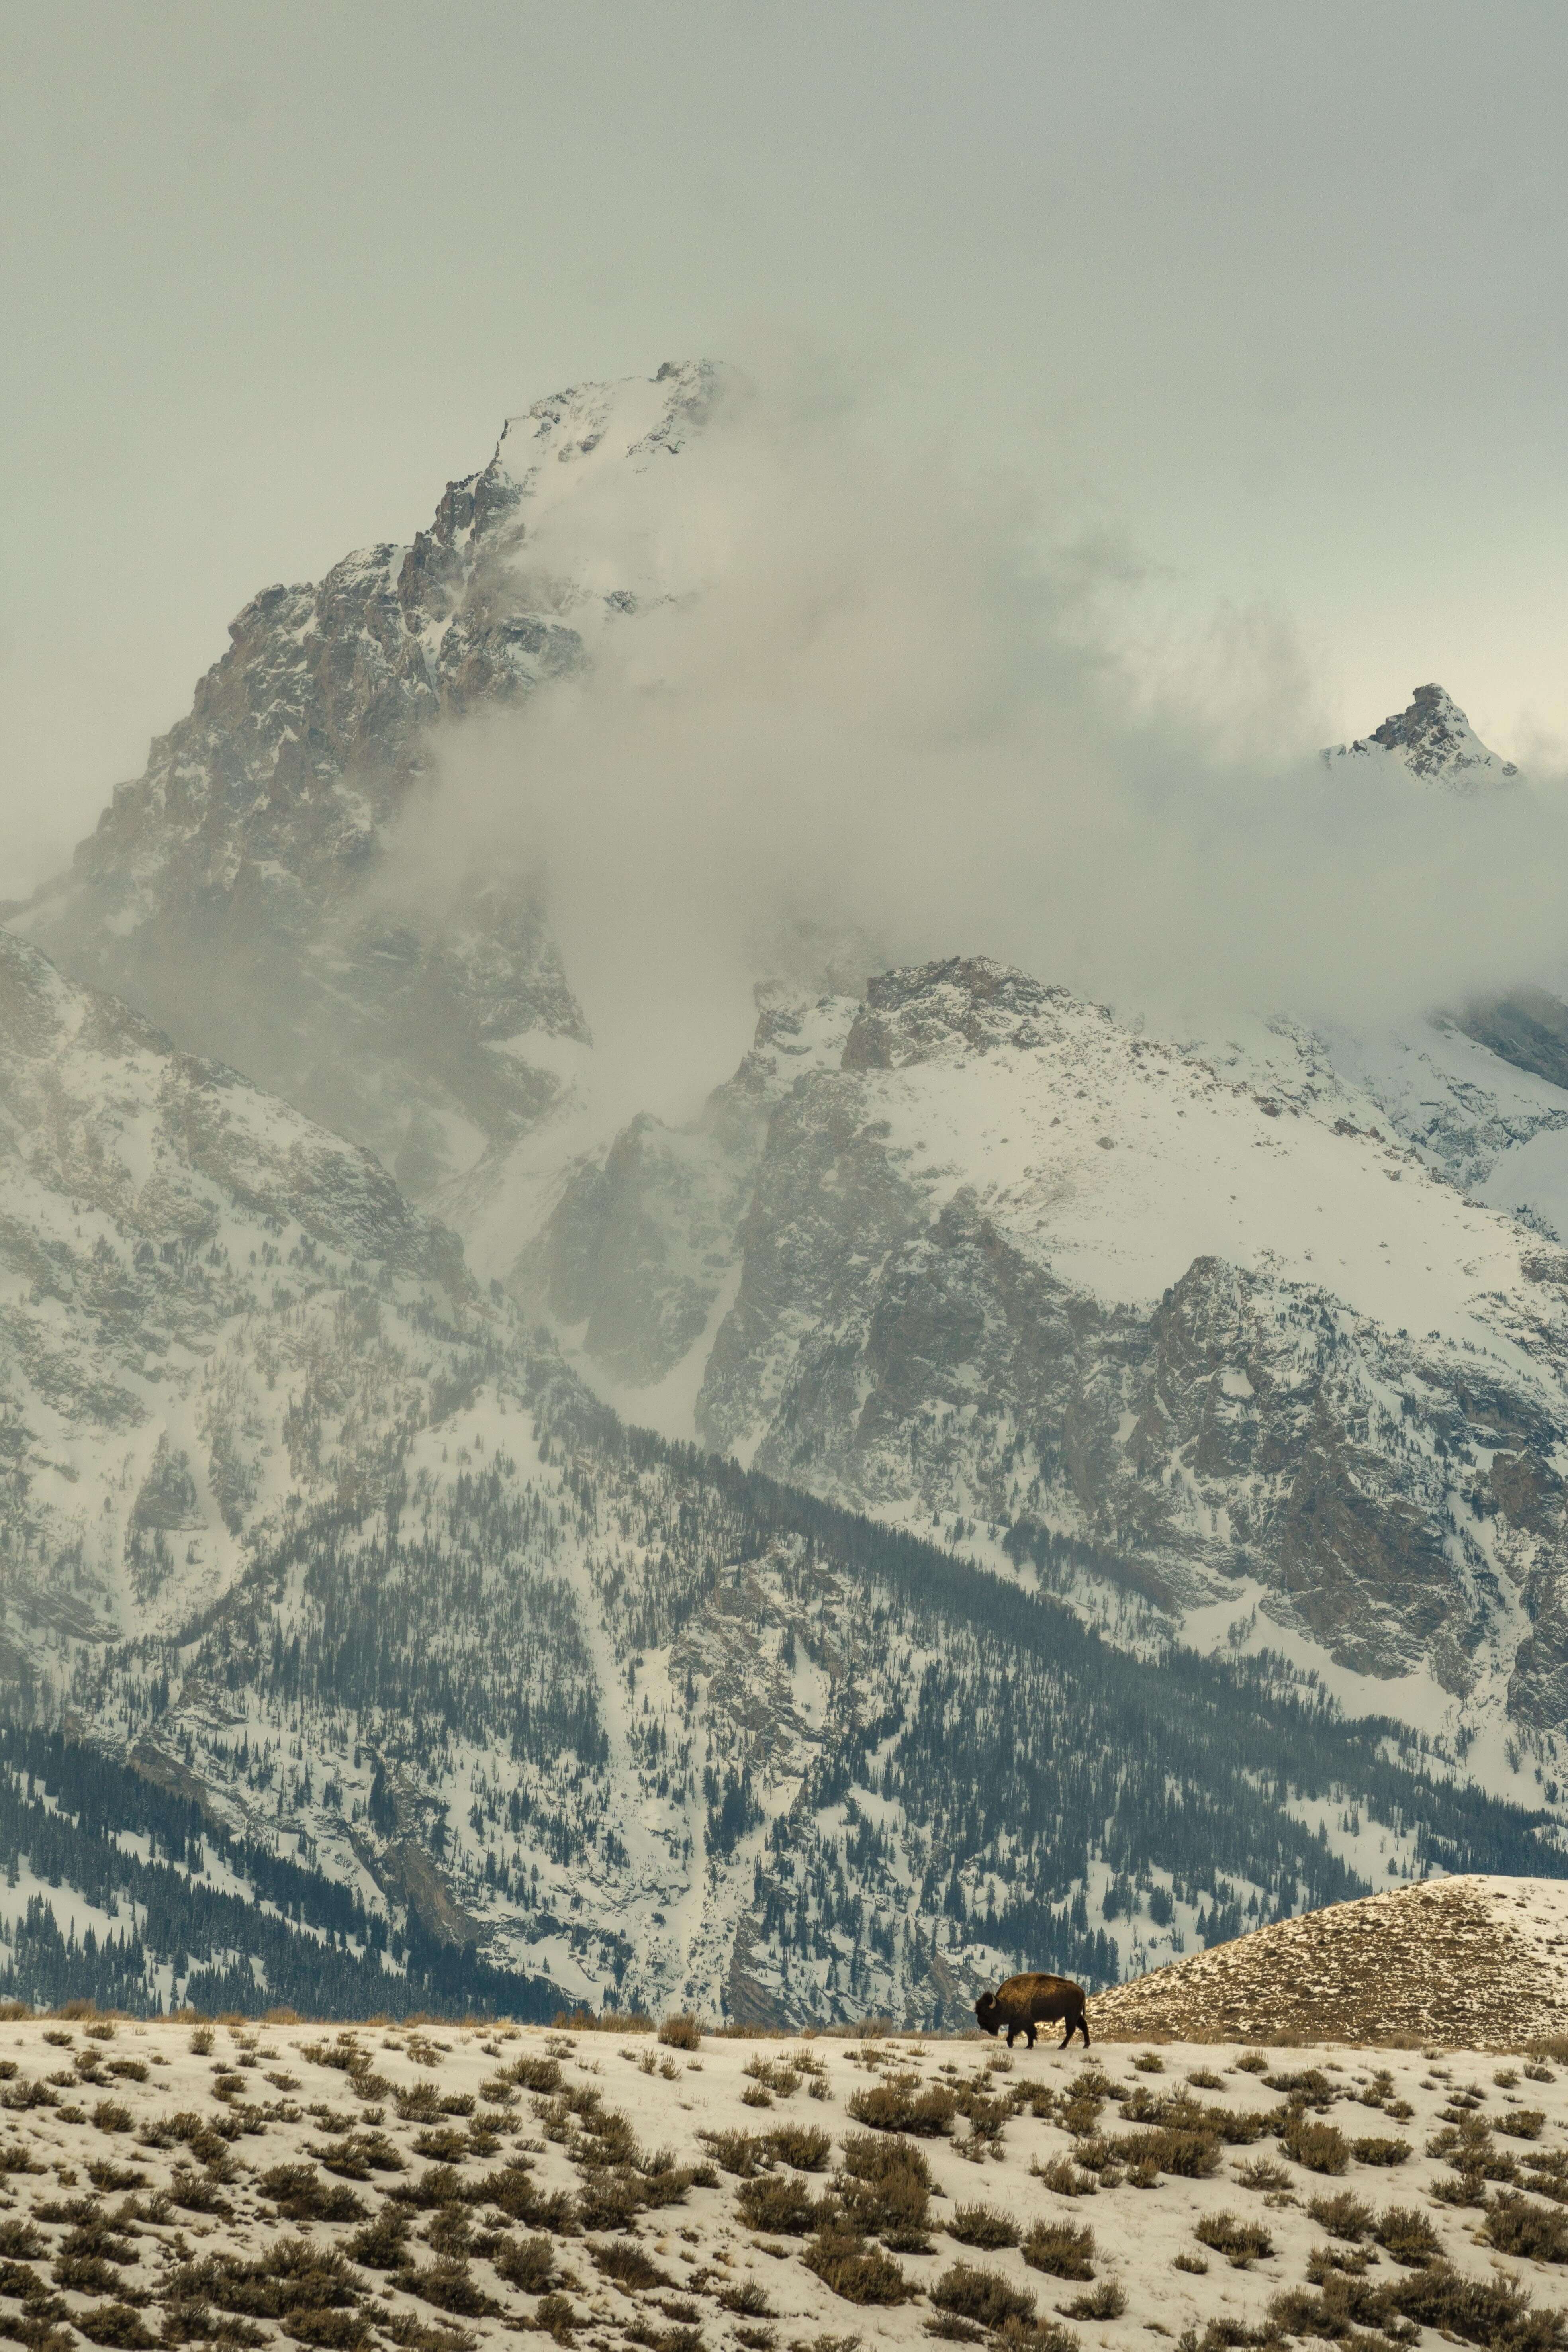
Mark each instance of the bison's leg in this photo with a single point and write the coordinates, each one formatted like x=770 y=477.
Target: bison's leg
x=1010 y=2030
x=1082 y=2022
x=1067 y=2032
x=1029 y=2030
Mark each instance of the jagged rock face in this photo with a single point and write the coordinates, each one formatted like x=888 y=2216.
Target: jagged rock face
x=641 y=1247
x=1435 y=742
x=952 y=1300
x=295 y=1518
x=209 y=1311
x=227 y=892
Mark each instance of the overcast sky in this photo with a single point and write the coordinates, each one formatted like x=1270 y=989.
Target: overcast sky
x=1274 y=295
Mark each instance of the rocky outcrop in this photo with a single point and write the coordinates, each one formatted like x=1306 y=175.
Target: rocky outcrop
x=1435 y=742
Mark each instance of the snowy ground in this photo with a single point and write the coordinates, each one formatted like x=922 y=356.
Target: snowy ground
x=173 y=2185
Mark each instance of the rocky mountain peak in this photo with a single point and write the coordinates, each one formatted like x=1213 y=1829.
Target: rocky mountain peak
x=224 y=891
x=966 y=1001
x=1434 y=741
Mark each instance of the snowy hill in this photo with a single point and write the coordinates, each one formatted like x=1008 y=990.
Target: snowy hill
x=447 y=2189
x=1471 y=1962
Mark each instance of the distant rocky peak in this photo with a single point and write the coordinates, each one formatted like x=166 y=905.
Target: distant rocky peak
x=223 y=892
x=635 y=419
x=966 y=1003
x=1434 y=741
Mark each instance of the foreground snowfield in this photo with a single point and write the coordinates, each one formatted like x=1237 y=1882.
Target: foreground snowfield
x=434 y=2187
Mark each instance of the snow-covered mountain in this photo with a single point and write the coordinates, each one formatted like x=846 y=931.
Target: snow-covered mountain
x=1004 y=1260
x=1260 y=1338
x=231 y=892
x=214 y=1314
x=1434 y=742
x=380 y=1647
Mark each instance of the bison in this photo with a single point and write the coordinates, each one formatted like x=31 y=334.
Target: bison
x=1025 y=2001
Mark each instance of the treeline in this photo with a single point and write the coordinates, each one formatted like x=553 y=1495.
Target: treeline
x=1022 y=1758
x=216 y=1950
x=1289 y=1735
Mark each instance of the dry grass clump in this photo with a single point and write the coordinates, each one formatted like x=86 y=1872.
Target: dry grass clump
x=1106 y=2300
x=805 y=2146
x=778 y=2204
x=556 y=2316
x=1189 y=2155
x=361 y=2153
x=1305 y=2086
x=541 y=2076
x=965 y=2291
x=115 y=2323
x=349 y=2057
x=630 y=2265
x=1496 y=2313
x=415 y=2335
x=106 y=2175
x=1407 y=2233
x=748 y=2300
x=1264 y=2174
x=1517 y=2225
x=1372 y=2149
x=884 y=2186
x=300 y=2194
x=293 y=2281
x=516 y=2195
x=904 y=2106
x=743 y=2154
x=766 y=2076
x=982 y=2226
x=858 y=2271
x=1242 y=2243
x=1343 y=2215
x=1064 y=2177
x=381 y=2243
x=681 y=2032
x=1318 y=2147
x=439 y=2184
x=449 y=2284
x=1060 y=2249
x=1547 y=2174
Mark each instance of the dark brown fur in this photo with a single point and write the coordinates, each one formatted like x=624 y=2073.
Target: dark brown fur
x=1025 y=2001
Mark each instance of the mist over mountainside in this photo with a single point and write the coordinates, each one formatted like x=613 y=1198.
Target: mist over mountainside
x=231 y=892
x=1246 y=1328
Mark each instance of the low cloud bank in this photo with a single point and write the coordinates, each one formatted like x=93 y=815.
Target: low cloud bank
x=868 y=692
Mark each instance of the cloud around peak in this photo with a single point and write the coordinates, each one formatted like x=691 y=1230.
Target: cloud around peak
x=870 y=688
